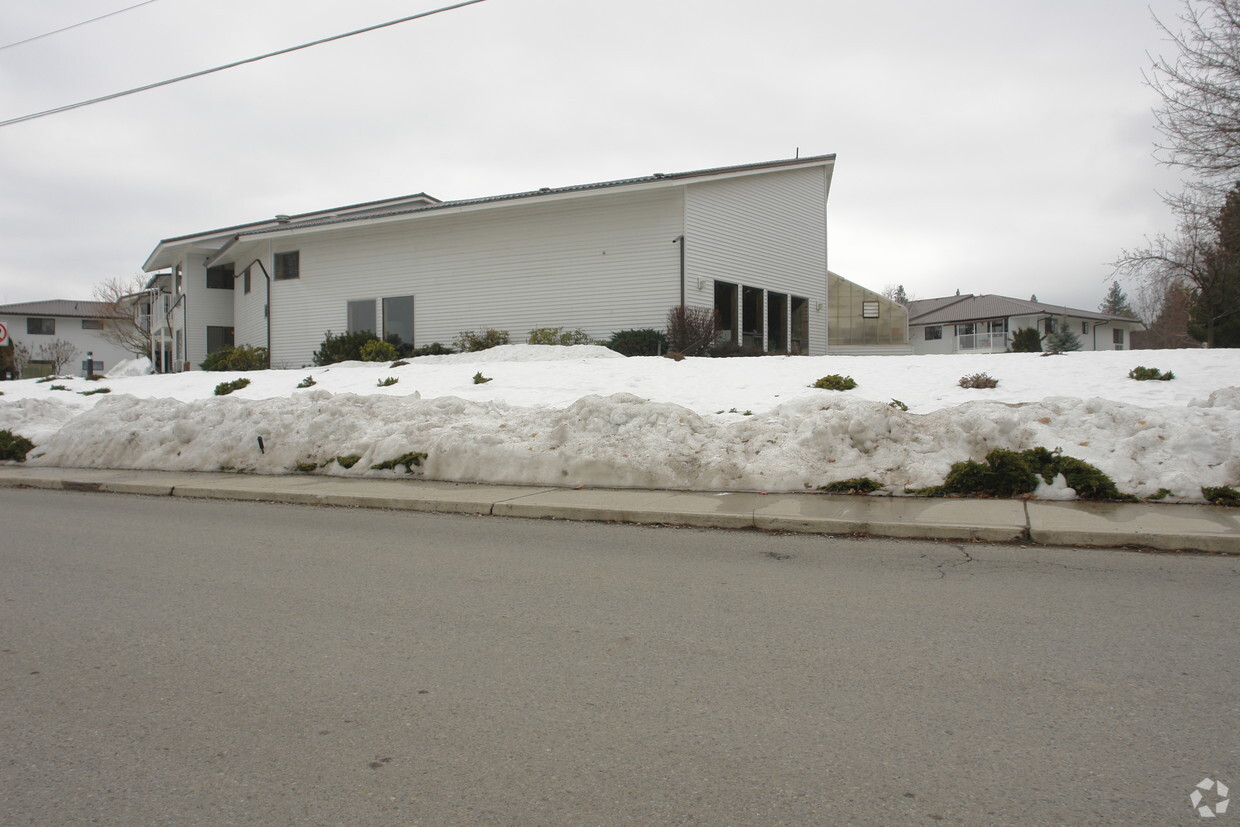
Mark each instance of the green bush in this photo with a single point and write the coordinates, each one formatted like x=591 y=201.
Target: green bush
x=399 y=363
x=472 y=341
x=225 y=388
x=1143 y=374
x=14 y=446
x=479 y=379
x=835 y=382
x=1007 y=473
x=58 y=388
x=645 y=341
x=308 y=382
x=378 y=351
x=391 y=380
x=348 y=460
x=433 y=349
x=1026 y=340
x=858 y=485
x=411 y=460
x=978 y=380
x=237 y=358
x=346 y=347
x=558 y=336
x=94 y=391
x=897 y=404
x=1222 y=495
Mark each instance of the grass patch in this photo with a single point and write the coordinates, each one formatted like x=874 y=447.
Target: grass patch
x=14 y=446
x=857 y=485
x=58 y=388
x=348 y=460
x=1221 y=495
x=411 y=460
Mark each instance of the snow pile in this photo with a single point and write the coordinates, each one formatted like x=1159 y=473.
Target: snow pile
x=587 y=416
x=131 y=367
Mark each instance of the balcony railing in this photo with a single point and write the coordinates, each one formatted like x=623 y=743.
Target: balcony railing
x=982 y=341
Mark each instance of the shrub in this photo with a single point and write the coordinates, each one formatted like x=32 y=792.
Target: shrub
x=835 y=382
x=691 y=330
x=410 y=460
x=558 y=336
x=978 y=380
x=308 y=382
x=859 y=485
x=378 y=351
x=1062 y=340
x=644 y=341
x=399 y=363
x=58 y=388
x=433 y=349
x=237 y=358
x=1222 y=495
x=897 y=404
x=14 y=446
x=348 y=460
x=305 y=467
x=225 y=388
x=1007 y=473
x=1026 y=340
x=471 y=341
x=1143 y=374
x=391 y=380
x=346 y=347
x=94 y=391
x=479 y=379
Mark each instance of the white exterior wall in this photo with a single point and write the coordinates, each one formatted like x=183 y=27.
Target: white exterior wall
x=602 y=263
x=767 y=231
x=1103 y=338
x=69 y=329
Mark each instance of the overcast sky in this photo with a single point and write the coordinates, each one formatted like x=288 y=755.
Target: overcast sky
x=986 y=146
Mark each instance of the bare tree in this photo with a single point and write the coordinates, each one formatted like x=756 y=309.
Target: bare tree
x=896 y=293
x=1199 y=115
x=59 y=353
x=691 y=330
x=120 y=325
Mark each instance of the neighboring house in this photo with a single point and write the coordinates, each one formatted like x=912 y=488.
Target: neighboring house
x=749 y=241
x=985 y=324
x=80 y=323
x=862 y=322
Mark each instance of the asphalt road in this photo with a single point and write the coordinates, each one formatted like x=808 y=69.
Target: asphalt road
x=175 y=661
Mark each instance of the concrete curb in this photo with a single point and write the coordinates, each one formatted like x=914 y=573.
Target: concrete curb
x=1154 y=526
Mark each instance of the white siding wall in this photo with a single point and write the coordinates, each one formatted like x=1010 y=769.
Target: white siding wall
x=70 y=330
x=765 y=231
x=601 y=263
x=204 y=307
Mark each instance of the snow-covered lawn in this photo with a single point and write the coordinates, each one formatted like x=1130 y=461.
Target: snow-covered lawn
x=588 y=416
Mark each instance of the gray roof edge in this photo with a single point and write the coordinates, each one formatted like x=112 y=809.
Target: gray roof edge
x=84 y=308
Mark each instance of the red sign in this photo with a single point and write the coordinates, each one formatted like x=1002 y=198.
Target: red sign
x=4 y=335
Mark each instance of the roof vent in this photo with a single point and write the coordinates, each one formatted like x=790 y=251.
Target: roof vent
x=658 y=175
x=283 y=219
x=544 y=189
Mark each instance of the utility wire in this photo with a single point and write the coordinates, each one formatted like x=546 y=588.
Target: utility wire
x=234 y=64
x=75 y=25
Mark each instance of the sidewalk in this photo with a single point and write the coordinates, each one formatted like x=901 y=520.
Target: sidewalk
x=1154 y=526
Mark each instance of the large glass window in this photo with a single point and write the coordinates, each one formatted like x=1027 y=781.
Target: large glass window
x=362 y=315
x=934 y=331
x=398 y=319
x=288 y=266
x=218 y=338
x=40 y=327
x=92 y=324
x=220 y=277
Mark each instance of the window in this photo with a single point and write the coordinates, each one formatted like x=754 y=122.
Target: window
x=92 y=324
x=220 y=277
x=246 y=279
x=398 y=318
x=1084 y=327
x=361 y=315
x=934 y=331
x=40 y=327
x=869 y=310
x=1052 y=325
x=287 y=265
x=218 y=338
x=1117 y=338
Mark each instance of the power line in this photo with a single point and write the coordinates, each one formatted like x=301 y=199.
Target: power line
x=234 y=64
x=75 y=25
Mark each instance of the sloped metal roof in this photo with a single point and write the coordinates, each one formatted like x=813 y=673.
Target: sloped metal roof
x=970 y=308
x=57 y=307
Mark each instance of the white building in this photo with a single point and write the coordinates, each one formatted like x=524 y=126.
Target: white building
x=39 y=325
x=985 y=324
x=750 y=241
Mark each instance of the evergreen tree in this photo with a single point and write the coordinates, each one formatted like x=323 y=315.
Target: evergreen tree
x=1026 y=340
x=1214 y=316
x=1116 y=303
x=1062 y=339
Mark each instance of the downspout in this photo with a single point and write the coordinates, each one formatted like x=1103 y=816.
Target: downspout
x=267 y=307
x=1096 y=326
x=681 y=240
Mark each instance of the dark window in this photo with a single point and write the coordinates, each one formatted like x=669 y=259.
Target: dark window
x=398 y=318
x=1084 y=327
x=1117 y=336
x=218 y=337
x=246 y=279
x=361 y=315
x=220 y=277
x=40 y=327
x=869 y=310
x=92 y=324
x=934 y=331
x=287 y=266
